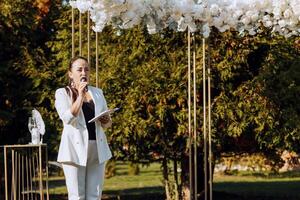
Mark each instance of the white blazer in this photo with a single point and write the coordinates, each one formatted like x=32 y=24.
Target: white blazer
x=73 y=146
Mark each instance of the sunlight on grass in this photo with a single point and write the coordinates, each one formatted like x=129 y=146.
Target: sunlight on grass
x=150 y=179
x=247 y=185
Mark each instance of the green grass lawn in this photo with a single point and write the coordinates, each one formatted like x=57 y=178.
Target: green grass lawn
x=149 y=177
x=241 y=186
x=148 y=182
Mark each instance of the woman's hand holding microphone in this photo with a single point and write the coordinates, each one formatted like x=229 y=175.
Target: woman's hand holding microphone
x=82 y=88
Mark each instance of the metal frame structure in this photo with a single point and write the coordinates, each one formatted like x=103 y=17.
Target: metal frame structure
x=28 y=172
x=207 y=140
x=192 y=105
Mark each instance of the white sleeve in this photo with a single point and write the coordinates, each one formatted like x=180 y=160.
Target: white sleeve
x=63 y=107
x=107 y=125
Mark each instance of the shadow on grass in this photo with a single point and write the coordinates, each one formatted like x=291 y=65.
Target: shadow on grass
x=227 y=190
x=151 y=193
x=146 y=196
x=147 y=193
x=56 y=183
x=261 y=190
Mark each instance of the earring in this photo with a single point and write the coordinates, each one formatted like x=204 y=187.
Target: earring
x=72 y=83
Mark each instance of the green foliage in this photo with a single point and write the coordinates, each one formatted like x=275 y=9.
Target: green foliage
x=282 y=81
x=110 y=169
x=145 y=75
x=247 y=112
x=26 y=73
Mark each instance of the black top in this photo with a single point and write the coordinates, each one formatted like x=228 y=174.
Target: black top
x=88 y=109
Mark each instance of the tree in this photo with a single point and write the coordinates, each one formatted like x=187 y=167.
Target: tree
x=147 y=75
x=25 y=73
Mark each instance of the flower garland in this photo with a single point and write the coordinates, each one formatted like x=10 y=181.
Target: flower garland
x=280 y=16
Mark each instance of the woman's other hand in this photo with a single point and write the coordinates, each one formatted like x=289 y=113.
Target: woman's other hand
x=104 y=119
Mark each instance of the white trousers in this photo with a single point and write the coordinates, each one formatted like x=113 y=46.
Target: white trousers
x=85 y=183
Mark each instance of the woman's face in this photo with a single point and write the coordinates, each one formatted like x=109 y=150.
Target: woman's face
x=79 y=70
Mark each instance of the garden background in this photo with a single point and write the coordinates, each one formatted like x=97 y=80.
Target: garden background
x=255 y=110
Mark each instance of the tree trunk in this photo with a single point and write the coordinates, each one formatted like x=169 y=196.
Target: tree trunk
x=186 y=191
x=185 y=183
x=166 y=178
x=176 y=184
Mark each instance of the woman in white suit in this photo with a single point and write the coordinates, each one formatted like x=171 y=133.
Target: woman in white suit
x=83 y=148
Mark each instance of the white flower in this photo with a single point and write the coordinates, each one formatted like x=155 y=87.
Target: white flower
x=292 y=22
x=246 y=20
x=73 y=4
x=287 y=13
x=98 y=28
x=254 y=16
x=217 y=22
x=268 y=24
x=295 y=5
x=282 y=23
x=181 y=25
x=81 y=5
x=214 y=9
x=277 y=12
x=237 y=14
x=185 y=6
x=198 y=11
x=252 y=31
x=151 y=27
x=224 y=28
x=205 y=30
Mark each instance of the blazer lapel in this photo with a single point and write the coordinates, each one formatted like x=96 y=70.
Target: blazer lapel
x=96 y=98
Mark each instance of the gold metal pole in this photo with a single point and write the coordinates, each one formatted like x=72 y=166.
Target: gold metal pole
x=97 y=82
x=34 y=174
x=73 y=32
x=11 y=191
x=30 y=174
x=23 y=177
x=88 y=36
x=27 y=175
x=189 y=116
x=41 y=172
x=13 y=174
x=204 y=119
x=24 y=180
x=46 y=160
x=195 y=119
x=37 y=163
x=80 y=31
x=19 y=175
x=209 y=126
x=5 y=173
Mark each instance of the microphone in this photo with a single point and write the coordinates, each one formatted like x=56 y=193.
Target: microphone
x=83 y=79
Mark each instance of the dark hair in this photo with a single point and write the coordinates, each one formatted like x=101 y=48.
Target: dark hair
x=71 y=91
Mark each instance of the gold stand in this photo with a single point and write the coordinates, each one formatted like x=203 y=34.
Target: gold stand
x=26 y=169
